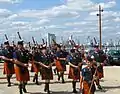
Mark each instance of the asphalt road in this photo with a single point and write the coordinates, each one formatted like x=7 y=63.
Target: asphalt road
x=110 y=84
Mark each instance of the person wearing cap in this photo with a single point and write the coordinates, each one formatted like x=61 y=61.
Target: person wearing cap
x=7 y=55
x=22 y=74
x=75 y=63
x=35 y=66
x=46 y=62
x=60 y=63
x=87 y=85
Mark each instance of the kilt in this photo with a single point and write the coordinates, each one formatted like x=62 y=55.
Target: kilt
x=8 y=68
x=35 y=67
x=60 y=65
x=86 y=88
x=74 y=73
x=46 y=74
x=100 y=72
x=22 y=73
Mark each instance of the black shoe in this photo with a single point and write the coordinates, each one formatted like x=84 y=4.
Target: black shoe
x=55 y=71
x=24 y=90
x=9 y=85
x=63 y=81
x=99 y=87
x=75 y=91
x=20 y=91
x=48 y=91
x=34 y=79
x=37 y=83
x=45 y=90
x=58 y=78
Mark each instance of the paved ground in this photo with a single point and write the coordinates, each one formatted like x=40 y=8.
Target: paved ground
x=111 y=84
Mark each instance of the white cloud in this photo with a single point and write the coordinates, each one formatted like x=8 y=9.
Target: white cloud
x=78 y=23
x=19 y=23
x=118 y=33
x=79 y=4
x=117 y=19
x=74 y=31
x=10 y=1
x=108 y=4
x=4 y=13
x=116 y=14
x=50 y=13
x=88 y=4
x=77 y=17
x=105 y=15
x=43 y=21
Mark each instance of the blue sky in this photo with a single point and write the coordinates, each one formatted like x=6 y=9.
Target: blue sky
x=32 y=4
x=44 y=4
x=61 y=17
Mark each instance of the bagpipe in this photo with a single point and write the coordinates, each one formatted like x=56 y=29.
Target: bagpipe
x=6 y=38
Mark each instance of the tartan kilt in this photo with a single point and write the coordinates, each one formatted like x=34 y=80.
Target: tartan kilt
x=86 y=88
x=46 y=74
x=8 y=68
x=74 y=73
x=35 y=67
x=61 y=66
x=100 y=72
x=22 y=74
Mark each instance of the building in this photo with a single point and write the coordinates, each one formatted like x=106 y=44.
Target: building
x=50 y=38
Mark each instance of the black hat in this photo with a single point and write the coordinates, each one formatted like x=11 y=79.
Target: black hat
x=58 y=46
x=20 y=43
x=96 y=46
x=72 y=50
x=6 y=43
x=43 y=47
x=101 y=52
x=33 y=48
x=89 y=59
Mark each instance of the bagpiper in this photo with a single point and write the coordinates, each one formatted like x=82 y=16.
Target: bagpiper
x=95 y=68
x=60 y=63
x=46 y=62
x=35 y=66
x=75 y=63
x=21 y=58
x=100 y=59
x=7 y=55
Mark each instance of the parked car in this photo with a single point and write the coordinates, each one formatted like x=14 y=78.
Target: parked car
x=114 y=57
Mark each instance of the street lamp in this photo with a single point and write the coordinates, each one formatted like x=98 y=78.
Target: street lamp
x=100 y=25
